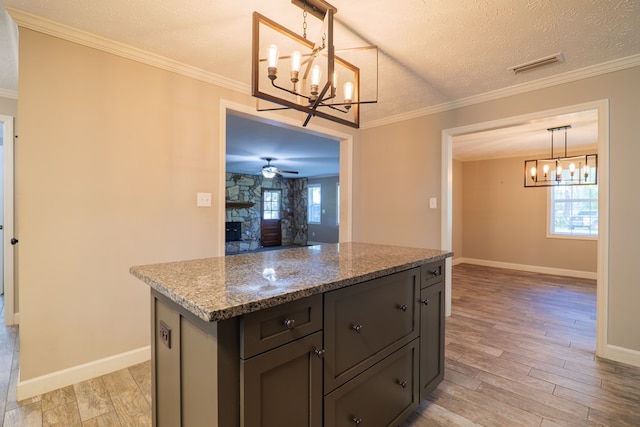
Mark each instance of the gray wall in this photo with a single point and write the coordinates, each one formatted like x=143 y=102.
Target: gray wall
x=327 y=230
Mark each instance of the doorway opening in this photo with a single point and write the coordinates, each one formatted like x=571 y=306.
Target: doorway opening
x=602 y=108
x=302 y=157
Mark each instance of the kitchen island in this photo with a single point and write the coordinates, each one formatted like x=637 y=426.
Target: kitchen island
x=340 y=334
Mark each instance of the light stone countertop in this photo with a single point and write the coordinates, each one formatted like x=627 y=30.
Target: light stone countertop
x=223 y=287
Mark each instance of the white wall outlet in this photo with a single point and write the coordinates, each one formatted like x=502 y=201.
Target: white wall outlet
x=433 y=203
x=203 y=200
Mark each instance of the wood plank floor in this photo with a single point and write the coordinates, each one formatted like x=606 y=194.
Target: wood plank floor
x=519 y=351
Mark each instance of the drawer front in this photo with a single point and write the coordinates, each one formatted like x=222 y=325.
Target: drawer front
x=267 y=329
x=432 y=274
x=366 y=322
x=383 y=395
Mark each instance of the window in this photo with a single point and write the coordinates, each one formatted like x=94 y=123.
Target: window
x=271 y=200
x=313 y=204
x=573 y=211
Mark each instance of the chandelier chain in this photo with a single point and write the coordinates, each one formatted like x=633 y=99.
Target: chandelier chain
x=304 y=21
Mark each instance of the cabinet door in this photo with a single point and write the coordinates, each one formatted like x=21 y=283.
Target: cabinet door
x=283 y=387
x=431 y=338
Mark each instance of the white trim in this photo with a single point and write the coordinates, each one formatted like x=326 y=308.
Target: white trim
x=570 y=76
x=65 y=377
x=10 y=94
x=622 y=355
x=346 y=159
x=602 y=292
x=10 y=318
x=530 y=268
x=84 y=38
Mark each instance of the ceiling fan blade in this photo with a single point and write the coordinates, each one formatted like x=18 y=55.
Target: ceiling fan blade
x=284 y=171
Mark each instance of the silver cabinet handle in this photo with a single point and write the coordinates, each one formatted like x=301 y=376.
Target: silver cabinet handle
x=290 y=323
x=357 y=328
x=402 y=384
x=435 y=272
x=356 y=420
x=402 y=307
x=426 y=302
x=320 y=353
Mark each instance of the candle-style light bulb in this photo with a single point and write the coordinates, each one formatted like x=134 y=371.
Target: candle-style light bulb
x=559 y=172
x=315 y=81
x=533 y=173
x=572 y=169
x=272 y=61
x=296 y=60
x=545 y=169
x=348 y=93
x=316 y=73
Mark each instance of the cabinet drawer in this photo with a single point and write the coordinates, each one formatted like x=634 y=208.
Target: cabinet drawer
x=365 y=323
x=432 y=273
x=266 y=329
x=383 y=395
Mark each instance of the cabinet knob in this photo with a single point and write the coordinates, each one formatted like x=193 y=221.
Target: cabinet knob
x=356 y=420
x=402 y=384
x=426 y=302
x=403 y=307
x=357 y=328
x=290 y=323
x=320 y=353
x=435 y=272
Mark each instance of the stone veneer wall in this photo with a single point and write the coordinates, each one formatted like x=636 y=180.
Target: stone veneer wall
x=248 y=188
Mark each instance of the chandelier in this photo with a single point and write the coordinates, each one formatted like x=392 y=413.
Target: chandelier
x=313 y=77
x=558 y=171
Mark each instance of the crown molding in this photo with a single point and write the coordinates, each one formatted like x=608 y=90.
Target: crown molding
x=6 y=93
x=570 y=76
x=84 y=38
x=65 y=32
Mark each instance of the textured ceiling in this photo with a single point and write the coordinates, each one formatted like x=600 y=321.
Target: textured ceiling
x=433 y=53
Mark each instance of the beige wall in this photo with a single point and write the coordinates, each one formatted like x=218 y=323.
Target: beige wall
x=505 y=222
x=413 y=149
x=112 y=153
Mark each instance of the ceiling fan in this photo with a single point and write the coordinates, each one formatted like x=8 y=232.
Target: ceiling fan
x=269 y=171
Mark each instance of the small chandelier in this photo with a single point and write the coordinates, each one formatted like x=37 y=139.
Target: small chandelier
x=307 y=75
x=560 y=171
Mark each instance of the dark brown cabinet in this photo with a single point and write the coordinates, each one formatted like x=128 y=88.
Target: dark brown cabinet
x=432 y=299
x=361 y=355
x=283 y=387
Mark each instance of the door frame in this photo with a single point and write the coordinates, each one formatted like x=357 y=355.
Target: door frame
x=602 y=286
x=10 y=318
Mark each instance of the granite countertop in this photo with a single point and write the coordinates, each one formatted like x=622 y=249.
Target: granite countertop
x=223 y=287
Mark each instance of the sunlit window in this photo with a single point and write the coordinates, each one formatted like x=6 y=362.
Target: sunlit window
x=573 y=211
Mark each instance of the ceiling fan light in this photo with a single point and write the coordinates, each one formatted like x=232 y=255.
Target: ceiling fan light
x=269 y=171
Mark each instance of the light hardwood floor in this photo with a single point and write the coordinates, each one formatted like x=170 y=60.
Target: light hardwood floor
x=519 y=351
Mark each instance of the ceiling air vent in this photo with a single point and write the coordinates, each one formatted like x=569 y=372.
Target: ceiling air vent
x=536 y=63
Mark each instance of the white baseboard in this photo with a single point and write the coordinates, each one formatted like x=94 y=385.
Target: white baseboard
x=622 y=355
x=531 y=268
x=65 y=377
